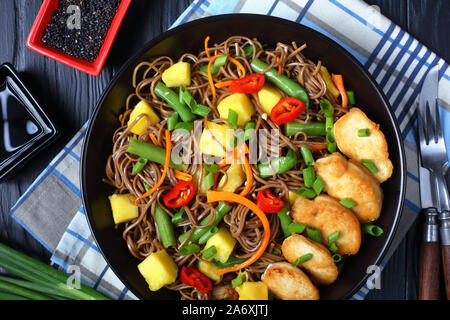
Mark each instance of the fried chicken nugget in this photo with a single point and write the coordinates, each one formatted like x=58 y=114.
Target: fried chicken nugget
x=320 y=267
x=349 y=179
x=373 y=147
x=329 y=216
x=288 y=282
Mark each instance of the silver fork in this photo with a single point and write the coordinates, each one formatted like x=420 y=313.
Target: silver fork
x=433 y=153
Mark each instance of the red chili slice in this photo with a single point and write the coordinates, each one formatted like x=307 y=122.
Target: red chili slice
x=249 y=84
x=193 y=277
x=286 y=110
x=181 y=194
x=267 y=202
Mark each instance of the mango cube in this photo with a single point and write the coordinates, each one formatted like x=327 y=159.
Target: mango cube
x=177 y=75
x=224 y=243
x=268 y=97
x=218 y=145
x=123 y=208
x=234 y=179
x=241 y=104
x=208 y=270
x=158 y=269
x=253 y=291
x=141 y=125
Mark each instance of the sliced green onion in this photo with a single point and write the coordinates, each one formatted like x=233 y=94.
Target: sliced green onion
x=189 y=249
x=232 y=261
x=165 y=227
x=232 y=118
x=179 y=217
x=211 y=167
x=204 y=238
x=173 y=100
x=314 y=234
x=331 y=141
x=327 y=108
x=236 y=282
x=243 y=136
x=329 y=123
x=351 y=97
x=201 y=110
x=318 y=185
x=188 y=126
x=296 y=228
x=307 y=156
x=337 y=258
x=364 y=132
x=309 y=176
x=306 y=193
x=209 y=180
x=333 y=237
x=372 y=229
x=370 y=165
x=302 y=259
x=333 y=247
x=347 y=203
x=275 y=252
x=140 y=164
x=209 y=253
x=172 y=121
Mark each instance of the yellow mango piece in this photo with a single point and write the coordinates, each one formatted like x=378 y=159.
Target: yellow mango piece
x=158 y=269
x=208 y=270
x=218 y=145
x=142 y=108
x=224 y=243
x=292 y=197
x=234 y=179
x=253 y=291
x=123 y=208
x=179 y=74
x=241 y=104
x=329 y=83
x=202 y=188
x=268 y=97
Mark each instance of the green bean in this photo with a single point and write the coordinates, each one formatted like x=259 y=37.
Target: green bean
x=187 y=126
x=140 y=164
x=189 y=249
x=296 y=228
x=311 y=129
x=204 y=238
x=285 y=219
x=288 y=86
x=232 y=261
x=351 y=97
x=179 y=217
x=172 y=121
x=278 y=165
x=151 y=152
x=173 y=101
x=309 y=176
x=165 y=227
x=221 y=210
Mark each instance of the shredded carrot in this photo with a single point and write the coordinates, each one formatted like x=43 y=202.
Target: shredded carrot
x=279 y=68
x=238 y=64
x=318 y=146
x=206 y=47
x=213 y=196
x=154 y=140
x=223 y=84
x=210 y=79
x=166 y=167
x=182 y=175
x=249 y=176
x=339 y=83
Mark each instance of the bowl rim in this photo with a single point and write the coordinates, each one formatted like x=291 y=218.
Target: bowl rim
x=148 y=45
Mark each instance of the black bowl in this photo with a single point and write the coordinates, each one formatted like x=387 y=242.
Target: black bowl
x=189 y=38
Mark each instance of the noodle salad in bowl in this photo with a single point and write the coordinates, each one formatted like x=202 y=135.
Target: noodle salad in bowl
x=244 y=172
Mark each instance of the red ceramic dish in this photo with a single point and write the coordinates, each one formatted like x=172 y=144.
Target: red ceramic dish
x=34 y=41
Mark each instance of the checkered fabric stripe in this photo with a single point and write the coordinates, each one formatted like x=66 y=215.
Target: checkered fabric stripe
x=397 y=61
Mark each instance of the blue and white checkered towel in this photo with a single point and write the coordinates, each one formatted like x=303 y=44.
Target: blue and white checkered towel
x=51 y=208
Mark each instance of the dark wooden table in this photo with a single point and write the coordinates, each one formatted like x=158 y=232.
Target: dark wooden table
x=70 y=96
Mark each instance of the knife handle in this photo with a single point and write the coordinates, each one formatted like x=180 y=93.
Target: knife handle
x=429 y=258
x=444 y=230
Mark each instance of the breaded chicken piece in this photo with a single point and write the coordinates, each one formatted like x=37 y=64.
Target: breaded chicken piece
x=288 y=282
x=329 y=216
x=320 y=267
x=374 y=147
x=348 y=179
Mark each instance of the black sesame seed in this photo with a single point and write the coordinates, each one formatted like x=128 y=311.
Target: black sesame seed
x=95 y=20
